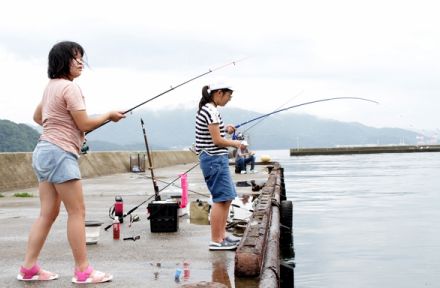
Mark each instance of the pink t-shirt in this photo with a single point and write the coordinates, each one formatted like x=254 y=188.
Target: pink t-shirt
x=60 y=97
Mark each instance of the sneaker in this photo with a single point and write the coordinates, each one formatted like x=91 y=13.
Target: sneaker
x=243 y=172
x=224 y=245
x=233 y=240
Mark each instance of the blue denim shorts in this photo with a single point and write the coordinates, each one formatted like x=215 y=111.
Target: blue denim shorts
x=53 y=164
x=215 y=169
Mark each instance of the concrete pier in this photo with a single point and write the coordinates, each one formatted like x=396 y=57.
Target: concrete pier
x=364 y=150
x=151 y=261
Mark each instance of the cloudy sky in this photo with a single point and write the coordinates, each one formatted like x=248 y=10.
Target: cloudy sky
x=295 y=51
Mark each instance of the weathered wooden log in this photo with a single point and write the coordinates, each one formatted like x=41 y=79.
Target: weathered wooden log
x=250 y=253
x=270 y=273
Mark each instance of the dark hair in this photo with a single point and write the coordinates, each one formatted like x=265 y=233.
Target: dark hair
x=207 y=96
x=60 y=56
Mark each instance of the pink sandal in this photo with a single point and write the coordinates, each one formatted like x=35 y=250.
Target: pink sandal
x=35 y=274
x=90 y=276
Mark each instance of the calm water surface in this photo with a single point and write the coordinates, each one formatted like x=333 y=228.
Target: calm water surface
x=365 y=220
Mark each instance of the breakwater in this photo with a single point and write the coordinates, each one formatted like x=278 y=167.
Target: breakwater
x=364 y=150
x=16 y=168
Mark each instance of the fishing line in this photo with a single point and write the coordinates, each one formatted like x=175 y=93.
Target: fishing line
x=303 y=104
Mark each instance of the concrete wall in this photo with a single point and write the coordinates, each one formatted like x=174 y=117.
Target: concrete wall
x=16 y=168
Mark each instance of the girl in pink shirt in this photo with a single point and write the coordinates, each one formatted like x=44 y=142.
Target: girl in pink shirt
x=62 y=113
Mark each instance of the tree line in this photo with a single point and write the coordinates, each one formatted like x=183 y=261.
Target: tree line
x=17 y=137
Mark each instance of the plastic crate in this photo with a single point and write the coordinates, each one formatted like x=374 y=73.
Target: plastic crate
x=163 y=216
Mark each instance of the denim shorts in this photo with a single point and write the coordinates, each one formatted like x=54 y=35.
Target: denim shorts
x=215 y=169
x=53 y=164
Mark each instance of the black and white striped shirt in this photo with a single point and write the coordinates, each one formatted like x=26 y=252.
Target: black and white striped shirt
x=206 y=116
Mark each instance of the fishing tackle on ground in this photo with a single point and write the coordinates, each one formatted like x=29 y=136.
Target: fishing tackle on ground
x=149 y=198
x=116 y=229
x=117 y=209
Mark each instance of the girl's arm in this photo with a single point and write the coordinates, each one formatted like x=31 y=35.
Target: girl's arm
x=86 y=123
x=38 y=115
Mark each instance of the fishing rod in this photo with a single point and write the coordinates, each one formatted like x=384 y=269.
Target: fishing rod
x=153 y=179
x=171 y=89
x=302 y=104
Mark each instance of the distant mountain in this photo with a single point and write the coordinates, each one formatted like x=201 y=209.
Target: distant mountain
x=174 y=129
x=17 y=137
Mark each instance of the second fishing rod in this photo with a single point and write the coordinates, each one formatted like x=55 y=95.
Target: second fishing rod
x=301 y=104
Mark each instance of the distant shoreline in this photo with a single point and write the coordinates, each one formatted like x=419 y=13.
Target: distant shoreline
x=364 y=150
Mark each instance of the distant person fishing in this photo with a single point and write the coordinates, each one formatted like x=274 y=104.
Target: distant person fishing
x=62 y=113
x=243 y=157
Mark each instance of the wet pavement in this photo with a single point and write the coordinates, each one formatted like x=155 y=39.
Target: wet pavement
x=151 y=261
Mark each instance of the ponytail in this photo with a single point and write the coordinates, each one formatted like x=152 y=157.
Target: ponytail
x=206 y=97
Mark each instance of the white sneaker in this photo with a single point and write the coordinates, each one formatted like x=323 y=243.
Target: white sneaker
x=233 y=240
x=243 y=172
x=253 y=171
x=225 y=245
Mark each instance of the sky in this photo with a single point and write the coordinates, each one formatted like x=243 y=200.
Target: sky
x=285 y=53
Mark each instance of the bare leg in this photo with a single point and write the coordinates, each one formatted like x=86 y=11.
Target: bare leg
x=50 y=208
x=219 y=215
x=71 y=195
x=225 y=218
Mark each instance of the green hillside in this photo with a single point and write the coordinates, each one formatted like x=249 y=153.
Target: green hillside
x=17 y=137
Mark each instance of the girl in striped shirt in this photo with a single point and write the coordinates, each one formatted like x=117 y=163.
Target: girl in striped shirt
x=211 y=145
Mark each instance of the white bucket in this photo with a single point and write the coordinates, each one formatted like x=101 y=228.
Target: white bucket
x=92 y=231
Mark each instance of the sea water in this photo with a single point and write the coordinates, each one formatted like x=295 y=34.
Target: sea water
x=369 y=220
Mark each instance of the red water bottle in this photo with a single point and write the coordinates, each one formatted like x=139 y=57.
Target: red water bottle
x=119 y=209
x=186 y=272
x=116 y=229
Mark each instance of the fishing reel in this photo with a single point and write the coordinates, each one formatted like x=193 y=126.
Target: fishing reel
x=238 y=136
x=85 y=148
